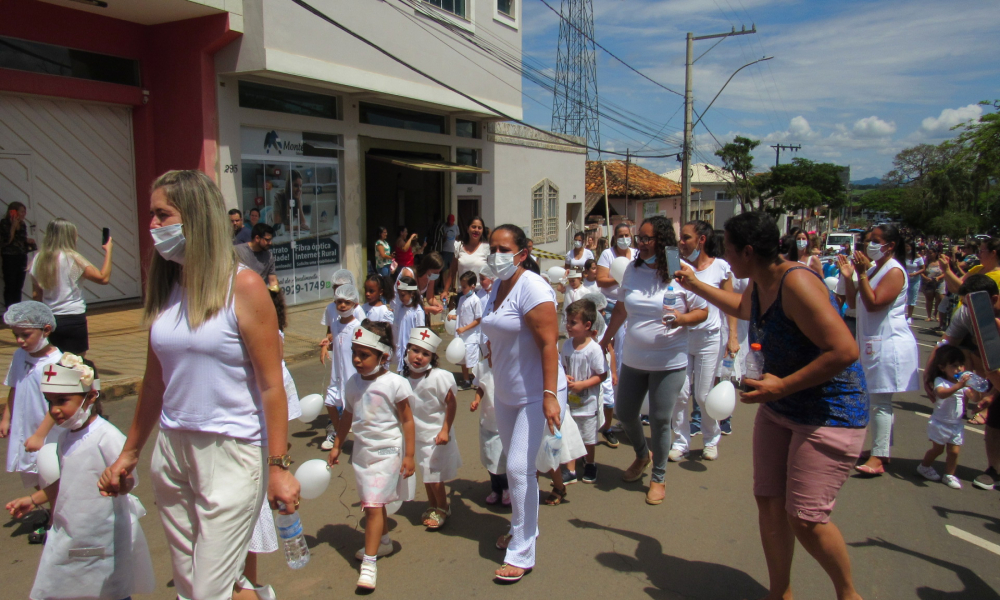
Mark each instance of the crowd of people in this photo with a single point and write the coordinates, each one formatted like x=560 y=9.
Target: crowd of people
x=642 y=347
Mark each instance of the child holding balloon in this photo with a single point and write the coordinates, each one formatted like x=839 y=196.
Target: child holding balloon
x=340 y=315
x=470 y=315
x=434 y=409
x=96 y=548
x=377 y=403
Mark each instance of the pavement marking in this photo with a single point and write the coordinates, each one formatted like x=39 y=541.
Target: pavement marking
x=973 y=539
x=979 y=431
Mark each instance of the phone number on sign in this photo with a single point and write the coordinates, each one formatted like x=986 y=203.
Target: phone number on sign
x=312 y=286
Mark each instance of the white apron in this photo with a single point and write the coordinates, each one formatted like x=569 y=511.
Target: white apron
x=491 y=452
x=436 y=463
x=96 y=548
x=888 y=348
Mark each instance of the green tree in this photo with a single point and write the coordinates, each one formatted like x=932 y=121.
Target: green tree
x=789 y=182
x=738 y=171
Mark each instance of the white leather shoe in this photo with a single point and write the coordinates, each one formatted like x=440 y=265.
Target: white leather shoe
x=383 y=550
x=369 y=572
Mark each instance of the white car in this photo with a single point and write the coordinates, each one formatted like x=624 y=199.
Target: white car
x=837 y=239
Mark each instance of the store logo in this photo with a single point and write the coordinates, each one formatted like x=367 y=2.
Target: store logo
x=271 y=140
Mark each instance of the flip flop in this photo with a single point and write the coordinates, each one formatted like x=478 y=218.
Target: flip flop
x=511 y=578
x=866 y=470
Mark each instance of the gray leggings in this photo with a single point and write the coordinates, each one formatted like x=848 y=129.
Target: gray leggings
x=663 y=388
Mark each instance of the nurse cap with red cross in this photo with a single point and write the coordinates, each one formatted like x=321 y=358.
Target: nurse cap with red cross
x=423 y=337
x=370 y=339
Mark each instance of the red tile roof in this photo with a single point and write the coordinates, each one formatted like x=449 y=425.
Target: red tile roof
x=642 y=183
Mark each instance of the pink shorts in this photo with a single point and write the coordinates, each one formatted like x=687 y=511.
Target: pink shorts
x=806 y=464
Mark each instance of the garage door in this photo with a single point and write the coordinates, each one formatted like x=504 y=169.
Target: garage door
x=78 y=161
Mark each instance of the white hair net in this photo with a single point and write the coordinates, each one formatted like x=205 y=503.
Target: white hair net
x=600 y=300
x=343 y=277
x=29 y=314
x=599 y=326
x=487 y=272
x=346 y=291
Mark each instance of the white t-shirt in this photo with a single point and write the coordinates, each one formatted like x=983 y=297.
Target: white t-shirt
x=608 y=257
x=341 y=360
x=580 y=365
x=713 y=275
x=579 y=262
x=951 y=409
x=373 y=405
x=471 y=262
x=428 y=404
x=590 y=286
x=469 y=309
x=652 y=345
x=912 y=266
x=30 y=407
x=330 y=314
x=517 y=360
x=377 y=313
x=450 y=235
x=66 y=298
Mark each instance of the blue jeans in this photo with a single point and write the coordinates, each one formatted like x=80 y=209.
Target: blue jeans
x=384 y=271
x=447 y=256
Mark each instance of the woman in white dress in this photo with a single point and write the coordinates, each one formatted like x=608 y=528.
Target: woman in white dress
x=470 y=255
x=579 y=255
x=888 y=348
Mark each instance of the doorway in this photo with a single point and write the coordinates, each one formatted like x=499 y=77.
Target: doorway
x=468 y=208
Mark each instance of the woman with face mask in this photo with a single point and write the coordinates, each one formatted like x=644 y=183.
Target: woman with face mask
x=214 y=384
x=798 y=251
x=580 y=254
x=888 y=348
x=660 y=314
x=520 y=322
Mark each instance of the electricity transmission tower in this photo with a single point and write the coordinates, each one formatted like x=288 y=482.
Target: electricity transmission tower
x=574 y=106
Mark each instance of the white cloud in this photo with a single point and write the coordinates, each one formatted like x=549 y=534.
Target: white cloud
x=873 y=127
x=950 y=117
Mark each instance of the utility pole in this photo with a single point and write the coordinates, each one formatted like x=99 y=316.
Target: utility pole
x=779 y=147
x=628 y=157
x=689 y=113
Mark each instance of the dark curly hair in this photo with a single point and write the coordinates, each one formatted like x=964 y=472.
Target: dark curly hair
x=663 y=233
x=406 y=367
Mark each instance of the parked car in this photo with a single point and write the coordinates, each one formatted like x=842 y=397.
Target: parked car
x=837 y=239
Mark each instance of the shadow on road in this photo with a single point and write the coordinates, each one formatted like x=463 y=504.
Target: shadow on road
x=673 y=577
x=975 y=587
x=991 y=523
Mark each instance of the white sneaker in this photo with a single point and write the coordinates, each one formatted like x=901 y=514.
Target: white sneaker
x=710 y=453
x=952 y=482
x=383 y=550
x=928 y=473
x=909 y=321
x=369 y=572
x=331 y=436
x=676 y=455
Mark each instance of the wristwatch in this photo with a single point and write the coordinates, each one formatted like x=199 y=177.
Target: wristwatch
x=284 y=461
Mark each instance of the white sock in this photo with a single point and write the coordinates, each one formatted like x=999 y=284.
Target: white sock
x=370 y=559
x=385 y=540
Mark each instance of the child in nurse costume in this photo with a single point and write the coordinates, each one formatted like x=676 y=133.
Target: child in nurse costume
x=343 y=322
x=491 y=452
x=407 y=313
x=434 y=409
x=96 y=548
x=377 y=402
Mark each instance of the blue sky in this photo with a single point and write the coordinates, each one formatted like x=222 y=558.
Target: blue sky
x=854 y=82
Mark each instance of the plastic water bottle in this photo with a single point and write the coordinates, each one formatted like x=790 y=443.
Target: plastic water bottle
x=290 y=532
x=726 y=372
x=669 y=304
x=553 y=443
x=976 y=382
x=754 y=363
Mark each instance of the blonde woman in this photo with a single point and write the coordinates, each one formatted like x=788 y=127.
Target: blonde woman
x=55 y=280
x=213 y=380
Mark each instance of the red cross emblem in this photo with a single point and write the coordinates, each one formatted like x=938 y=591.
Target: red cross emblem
x=50 y=373
x=357 y=334
x=425 y=334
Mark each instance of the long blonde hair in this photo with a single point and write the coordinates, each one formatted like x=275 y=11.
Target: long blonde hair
x=60 y=237
x=209 y=272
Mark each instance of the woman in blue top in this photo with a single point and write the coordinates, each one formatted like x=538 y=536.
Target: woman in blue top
x=807 y=436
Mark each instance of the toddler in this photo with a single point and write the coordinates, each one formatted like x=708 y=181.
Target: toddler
x=343 y=322
x=377 y=293
x=585 y=368
x=469 y=314
x=946 y=426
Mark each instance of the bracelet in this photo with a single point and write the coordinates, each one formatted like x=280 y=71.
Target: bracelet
x=550 y=392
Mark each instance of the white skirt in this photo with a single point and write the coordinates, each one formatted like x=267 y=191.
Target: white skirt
x=264 y=538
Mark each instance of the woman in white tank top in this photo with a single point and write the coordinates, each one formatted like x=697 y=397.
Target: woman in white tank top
x=214 y=382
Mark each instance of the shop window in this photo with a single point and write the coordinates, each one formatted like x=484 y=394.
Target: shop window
x=401 y=118
x=467 y=156
x=545 y=212
x=468 y=129
x=506 y=7
x=22 y=55
x=285 y=100
x=722 y=197
x=455 y=7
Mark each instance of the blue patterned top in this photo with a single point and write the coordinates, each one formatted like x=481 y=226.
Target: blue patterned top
x=839 y=402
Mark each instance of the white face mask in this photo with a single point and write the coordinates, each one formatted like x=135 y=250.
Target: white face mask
x=578 y=244
x=875 y=251
x=169 y=242
x=503 y=264
x=377 y=368
x=77 y=420
x=433 y=276
x=801 y=244
x=624 y=242
x=42 y=342
x=414 y=369
x=345 y=313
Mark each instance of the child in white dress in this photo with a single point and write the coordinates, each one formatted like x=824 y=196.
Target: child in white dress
x=342 y=317
x=434 y=409
x=407 y=313
x=377 y=404
x=947 y=427
x=469 y=313
x=590 y=276
x=377 y=293
x=491 y=452
x=585 y=368
x=96 y=548
x=26 y=421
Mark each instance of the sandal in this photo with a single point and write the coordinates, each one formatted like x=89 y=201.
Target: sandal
x=511 y=578
x=871 y=472
x=978 y=419
x=556 y=497
x=503 y=541
x=37 y=536
x=438 y=516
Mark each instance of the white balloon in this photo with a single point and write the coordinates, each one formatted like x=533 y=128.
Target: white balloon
x=313 y=476
x=451 y=325
x=617 y=269
x=48 y=465
x=311 y=406
x=556 y=274
x=456 y=351
x=393 y=507
x=721 y=401
x=831 y=283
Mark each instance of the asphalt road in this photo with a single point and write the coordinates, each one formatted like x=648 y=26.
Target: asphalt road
x=909 y=538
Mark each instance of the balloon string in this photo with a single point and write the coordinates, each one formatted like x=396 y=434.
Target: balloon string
x=340 y=498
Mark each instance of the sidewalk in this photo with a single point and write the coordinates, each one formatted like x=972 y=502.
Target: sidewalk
x=118 y=344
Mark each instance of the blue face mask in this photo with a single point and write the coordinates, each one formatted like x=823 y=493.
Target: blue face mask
x=693 y=256
x=650 y=261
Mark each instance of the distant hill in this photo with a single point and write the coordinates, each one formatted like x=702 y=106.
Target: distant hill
x=867 y=181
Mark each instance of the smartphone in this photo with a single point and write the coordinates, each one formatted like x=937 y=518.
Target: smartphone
x=673 y=259
x=105 y=235
x=985 y=326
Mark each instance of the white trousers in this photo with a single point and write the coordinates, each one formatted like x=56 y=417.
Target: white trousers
x=521 y=429
x=703 y=360
x=209 y=489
